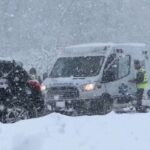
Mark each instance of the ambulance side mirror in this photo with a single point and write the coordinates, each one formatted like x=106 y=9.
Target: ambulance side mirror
x=109 y=75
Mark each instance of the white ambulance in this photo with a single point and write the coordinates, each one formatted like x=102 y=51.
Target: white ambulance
x=92 y=77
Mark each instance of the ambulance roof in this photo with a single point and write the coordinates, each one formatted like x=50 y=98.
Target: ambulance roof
x=94 y=49
x=107 y=44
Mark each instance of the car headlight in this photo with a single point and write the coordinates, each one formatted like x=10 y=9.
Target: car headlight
x=89 y=87
x=43 y=87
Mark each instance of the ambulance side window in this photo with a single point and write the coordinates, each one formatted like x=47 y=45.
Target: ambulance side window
x=123 y=66
x=116 y=69
x=111 y=69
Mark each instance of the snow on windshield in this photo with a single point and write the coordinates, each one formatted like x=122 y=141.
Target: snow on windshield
x=77 y=66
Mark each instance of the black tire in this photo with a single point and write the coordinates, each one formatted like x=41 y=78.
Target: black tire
x=107 y=105
x=15 y=114
x=101 y=106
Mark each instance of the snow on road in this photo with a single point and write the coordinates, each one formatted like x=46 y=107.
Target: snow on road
x=58 y=132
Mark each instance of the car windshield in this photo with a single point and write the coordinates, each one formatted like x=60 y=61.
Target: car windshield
x=77 y=66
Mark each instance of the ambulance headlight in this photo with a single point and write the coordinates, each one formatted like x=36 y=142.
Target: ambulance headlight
x=89 y=87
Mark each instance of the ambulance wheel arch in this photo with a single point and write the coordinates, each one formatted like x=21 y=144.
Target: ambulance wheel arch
x=107 y=96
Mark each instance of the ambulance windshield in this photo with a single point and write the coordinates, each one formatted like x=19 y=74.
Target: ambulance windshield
x=77 y=66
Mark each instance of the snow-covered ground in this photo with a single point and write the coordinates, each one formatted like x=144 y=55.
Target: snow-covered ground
x=58 y=132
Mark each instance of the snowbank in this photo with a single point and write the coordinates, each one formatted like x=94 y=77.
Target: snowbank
x=58 y=132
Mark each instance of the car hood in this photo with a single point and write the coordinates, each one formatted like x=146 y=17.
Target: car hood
x=49 y=82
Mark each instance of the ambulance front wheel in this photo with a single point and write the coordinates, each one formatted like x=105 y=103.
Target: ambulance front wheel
x=106 y=105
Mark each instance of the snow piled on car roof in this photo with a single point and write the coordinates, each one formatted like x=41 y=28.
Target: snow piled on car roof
x=55 y=131
x=106 y=44
x=6 y=59
x=9 y=59
x=96 y=49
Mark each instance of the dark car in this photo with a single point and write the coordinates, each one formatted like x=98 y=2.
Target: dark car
x=20 y=96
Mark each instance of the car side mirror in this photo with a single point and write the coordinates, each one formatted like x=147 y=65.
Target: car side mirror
x=45 y=75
